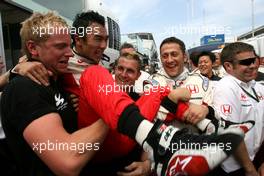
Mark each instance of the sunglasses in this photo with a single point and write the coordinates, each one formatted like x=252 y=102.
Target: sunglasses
x=247 y=62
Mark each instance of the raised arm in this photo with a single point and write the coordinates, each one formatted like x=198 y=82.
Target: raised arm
x=81 y=145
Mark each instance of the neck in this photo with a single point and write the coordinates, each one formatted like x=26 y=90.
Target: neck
x=87 y=59
x=210 y=75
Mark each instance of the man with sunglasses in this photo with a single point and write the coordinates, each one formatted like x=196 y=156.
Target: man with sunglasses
x=238 y=98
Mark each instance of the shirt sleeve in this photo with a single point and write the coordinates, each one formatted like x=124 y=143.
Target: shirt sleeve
x=25 y=102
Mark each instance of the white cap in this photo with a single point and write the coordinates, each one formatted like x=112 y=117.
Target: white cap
x=217 y=50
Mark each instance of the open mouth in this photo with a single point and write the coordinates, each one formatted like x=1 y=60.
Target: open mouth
x=63 y=62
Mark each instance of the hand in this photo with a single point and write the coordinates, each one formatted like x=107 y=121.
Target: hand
x=137 y=169
x=195 y=113
x=182 y=94
x=261 y=170
x=252 y=173
x=36 y=71
x=75 y=101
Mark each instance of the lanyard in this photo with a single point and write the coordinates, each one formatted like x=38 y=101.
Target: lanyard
x=249 y=94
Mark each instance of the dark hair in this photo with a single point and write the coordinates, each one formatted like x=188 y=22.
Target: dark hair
x=194 y=58
x=230 y=51
x=174 y=40
x=131 y=56
x=207 y=53
x=85 y=19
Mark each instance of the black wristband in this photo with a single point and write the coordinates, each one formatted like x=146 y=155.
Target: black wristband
x=129 y=121
x=211 y=113
x=169 y=105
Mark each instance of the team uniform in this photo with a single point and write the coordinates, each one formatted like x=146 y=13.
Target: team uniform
x=123 y=114
x=24 y=101
x=116 y=146
x=120 y=113
x=199 y=86
x=219 y=71
x=242 y=101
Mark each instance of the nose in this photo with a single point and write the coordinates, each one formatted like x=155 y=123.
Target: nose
x=103 y=44
x=169 y=59
x=202 y=63
x=69 y=52
x=123 y=74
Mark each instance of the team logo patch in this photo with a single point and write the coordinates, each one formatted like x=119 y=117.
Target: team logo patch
x=178 y=165
x=193 y=88
x=179 y=83
x=260 y=96
x=205 y=84
x=182 y=165
x=60 y=102
x=79 y=61
x=243 y=97
x=170 y=83
x=226 y=109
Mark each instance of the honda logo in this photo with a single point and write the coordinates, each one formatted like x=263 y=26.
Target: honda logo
x=226 y=109
x=193 y=88
x=243 y=97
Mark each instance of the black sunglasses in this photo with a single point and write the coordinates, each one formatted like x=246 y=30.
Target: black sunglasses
x=247 y=61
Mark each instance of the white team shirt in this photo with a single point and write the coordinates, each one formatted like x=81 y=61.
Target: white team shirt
x=199 y=86
x=235 y=104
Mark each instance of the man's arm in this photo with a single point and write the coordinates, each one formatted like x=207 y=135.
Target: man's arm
x=49 y=128
x=4 y=78
x=261 y=170
x=36 y=71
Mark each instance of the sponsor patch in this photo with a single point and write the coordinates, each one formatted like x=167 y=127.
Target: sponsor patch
x=226 y=109
x=193 y=88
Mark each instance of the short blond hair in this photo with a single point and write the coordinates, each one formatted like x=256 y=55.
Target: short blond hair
x=32 y=28
x=131 y=56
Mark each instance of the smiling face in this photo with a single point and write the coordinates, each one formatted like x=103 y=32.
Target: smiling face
x=94 y=43
x=205 y=66
x=172 y=59
x=244 y=73
x=127 y=71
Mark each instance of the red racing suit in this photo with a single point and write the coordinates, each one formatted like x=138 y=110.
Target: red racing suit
x=98 y=99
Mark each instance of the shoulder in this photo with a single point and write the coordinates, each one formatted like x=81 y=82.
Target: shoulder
x=95 y=70
x=161 y=79
x=196 y=75
x=197 y=78
x=226 y=83
x=259 y=86
x=22 y=84
x=22 y=88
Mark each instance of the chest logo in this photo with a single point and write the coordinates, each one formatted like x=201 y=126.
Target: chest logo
x=79 y=61
x=59 y=100
x=193 y=88
x=226 y=109
x=243 y=97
